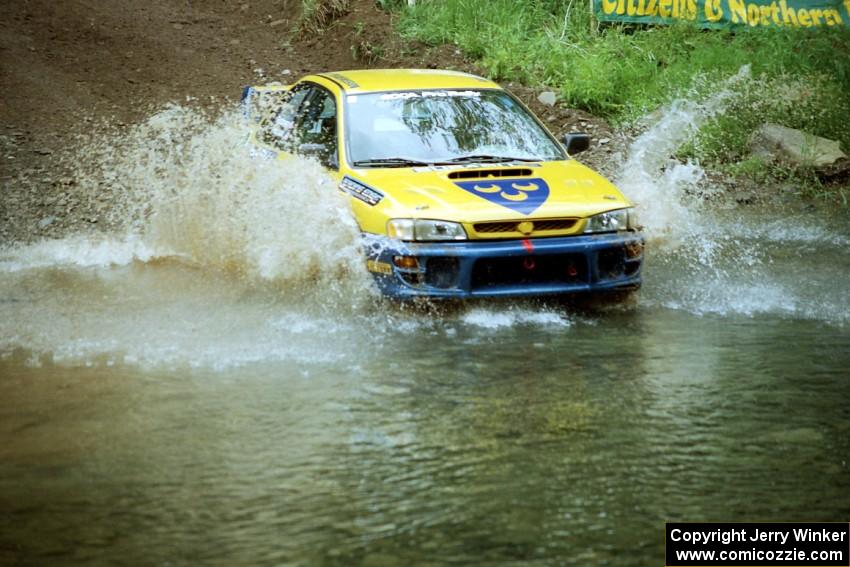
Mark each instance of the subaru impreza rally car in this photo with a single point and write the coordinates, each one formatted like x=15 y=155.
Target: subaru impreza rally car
x=459 y=190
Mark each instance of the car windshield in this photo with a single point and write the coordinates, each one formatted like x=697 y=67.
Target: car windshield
x=443 y=126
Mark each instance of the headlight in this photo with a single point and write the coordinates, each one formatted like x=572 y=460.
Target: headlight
x=420 y=229
x=612 y=221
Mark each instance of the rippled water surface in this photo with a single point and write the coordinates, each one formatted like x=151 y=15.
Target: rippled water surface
x=232 y=392
x=487 y=438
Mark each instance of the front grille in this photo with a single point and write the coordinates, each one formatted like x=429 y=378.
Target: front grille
x=524 y=270
x=554 y=224
x=511 y=228
x=494 y=227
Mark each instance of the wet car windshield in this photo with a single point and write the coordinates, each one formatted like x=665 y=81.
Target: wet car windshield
x=444 y=126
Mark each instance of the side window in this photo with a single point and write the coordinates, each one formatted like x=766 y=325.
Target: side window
x=279 y=115
x=316 y=131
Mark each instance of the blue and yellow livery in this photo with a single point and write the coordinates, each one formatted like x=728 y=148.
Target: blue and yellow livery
x=458 y=189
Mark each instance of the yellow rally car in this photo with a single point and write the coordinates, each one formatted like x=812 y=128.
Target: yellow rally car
x=459 y=190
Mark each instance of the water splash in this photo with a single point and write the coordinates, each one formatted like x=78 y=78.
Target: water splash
x=508 y=318
x=188 y=187
x=706 y=260
x=210 y=247
x=661 y=184
x=79 y=251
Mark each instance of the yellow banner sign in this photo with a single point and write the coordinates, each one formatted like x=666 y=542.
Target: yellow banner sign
x=724 y=13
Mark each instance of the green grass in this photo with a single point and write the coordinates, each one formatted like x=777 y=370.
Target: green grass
x=801 y=78
x=316 y=15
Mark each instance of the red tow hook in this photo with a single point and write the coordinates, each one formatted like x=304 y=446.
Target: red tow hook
x=572 y=271
x=528 y=263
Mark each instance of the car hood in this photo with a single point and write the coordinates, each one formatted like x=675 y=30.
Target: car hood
x=480 y=192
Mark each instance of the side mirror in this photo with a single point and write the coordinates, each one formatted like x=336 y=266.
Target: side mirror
x=576 y=142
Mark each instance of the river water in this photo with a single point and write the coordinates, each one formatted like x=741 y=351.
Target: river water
x=217 y=382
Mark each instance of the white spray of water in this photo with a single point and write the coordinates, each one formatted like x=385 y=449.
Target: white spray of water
x=180 y=185
x=79 y=251
x=211 y=247
x=704 y=260
x=657 y=182
x=507 y=318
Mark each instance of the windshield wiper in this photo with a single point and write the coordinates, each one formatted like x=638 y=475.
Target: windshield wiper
x=390 y=162
x=486 y=158
x=410 y=162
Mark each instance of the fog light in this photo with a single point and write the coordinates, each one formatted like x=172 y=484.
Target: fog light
x=406 y=262
x=634 y=249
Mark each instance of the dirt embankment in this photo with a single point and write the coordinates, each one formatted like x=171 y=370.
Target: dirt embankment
x=68 y=65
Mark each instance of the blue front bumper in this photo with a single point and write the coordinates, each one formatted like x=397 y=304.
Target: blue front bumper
x=507 y=268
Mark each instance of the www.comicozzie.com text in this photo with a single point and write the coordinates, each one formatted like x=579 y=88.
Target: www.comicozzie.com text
x=743 y=534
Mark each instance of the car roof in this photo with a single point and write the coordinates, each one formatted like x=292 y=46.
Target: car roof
x=382 y=80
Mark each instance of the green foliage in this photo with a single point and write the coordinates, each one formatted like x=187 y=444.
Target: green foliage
x=815 y=104
x=753 y=168
x=621 y=70
x=802 y=77
x=801 y=180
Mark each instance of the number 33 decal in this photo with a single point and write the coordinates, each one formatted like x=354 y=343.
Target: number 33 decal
x=516 y=192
